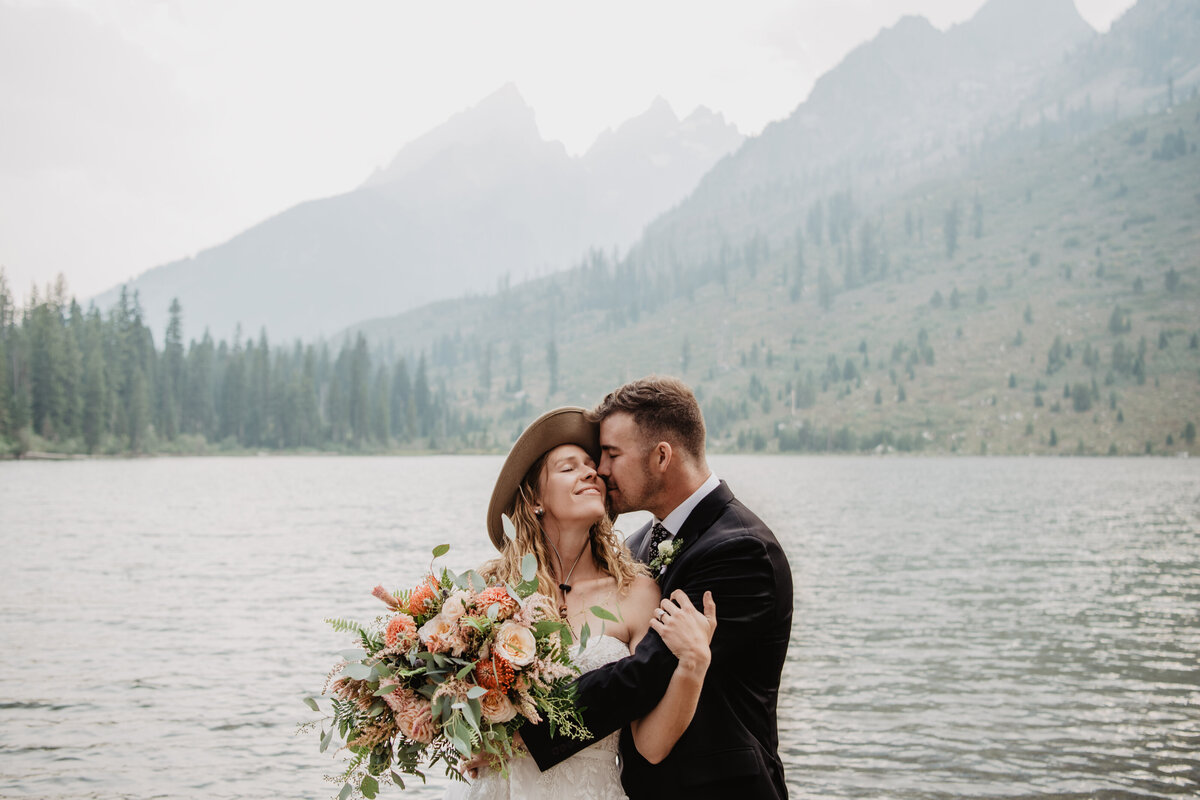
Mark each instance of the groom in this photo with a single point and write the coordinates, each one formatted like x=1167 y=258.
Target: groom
x=652 y=458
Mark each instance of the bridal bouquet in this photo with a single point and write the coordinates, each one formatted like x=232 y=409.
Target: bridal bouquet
x=453 y=669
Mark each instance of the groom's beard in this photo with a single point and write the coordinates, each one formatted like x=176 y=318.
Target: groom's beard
x=636 y=497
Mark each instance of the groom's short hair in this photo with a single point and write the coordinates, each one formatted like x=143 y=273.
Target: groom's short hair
x=664 y=408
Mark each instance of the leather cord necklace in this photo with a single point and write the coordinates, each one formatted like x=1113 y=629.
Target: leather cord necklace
x=565 y=586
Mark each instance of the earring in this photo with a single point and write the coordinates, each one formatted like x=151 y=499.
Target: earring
x=539 y=512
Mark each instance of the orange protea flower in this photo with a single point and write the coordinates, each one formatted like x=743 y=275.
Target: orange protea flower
x=424 y=593
x=495 y=673
x=400 y=632
x=496 y=594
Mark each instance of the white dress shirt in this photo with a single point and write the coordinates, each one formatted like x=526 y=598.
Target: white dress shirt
x=675 y=519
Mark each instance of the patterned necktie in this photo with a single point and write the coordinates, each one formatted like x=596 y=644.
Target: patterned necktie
x=658 y=535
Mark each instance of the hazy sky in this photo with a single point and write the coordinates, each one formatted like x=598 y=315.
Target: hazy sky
x=136 y=132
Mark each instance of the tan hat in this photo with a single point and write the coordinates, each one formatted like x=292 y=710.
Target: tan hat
x=561 y=426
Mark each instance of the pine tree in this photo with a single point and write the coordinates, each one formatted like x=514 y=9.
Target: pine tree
x=6 y=311
x=172 y=377
x=199 y=404
x=404 y=420
x=423 y=400
x=824 y=289
x=552 y=365
x=381 y=413
x=950 y=229
x=231 y=410
x=95 y=388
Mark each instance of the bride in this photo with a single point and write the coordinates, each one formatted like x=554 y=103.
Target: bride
x=550 y=490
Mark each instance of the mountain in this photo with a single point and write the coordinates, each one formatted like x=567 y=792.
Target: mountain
x=478 y=200
x=912 y=95
x=936 y=250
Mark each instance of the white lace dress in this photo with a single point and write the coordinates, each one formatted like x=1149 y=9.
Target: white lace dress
x=590 y=774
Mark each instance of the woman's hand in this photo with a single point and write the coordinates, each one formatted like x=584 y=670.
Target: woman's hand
x=685 y=630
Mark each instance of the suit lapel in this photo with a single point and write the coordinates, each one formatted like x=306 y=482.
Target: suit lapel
x=698 y=522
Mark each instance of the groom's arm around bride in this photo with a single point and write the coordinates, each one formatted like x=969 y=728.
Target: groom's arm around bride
x=652 y=440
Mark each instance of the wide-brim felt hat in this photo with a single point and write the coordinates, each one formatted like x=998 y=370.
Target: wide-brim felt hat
x=565 y=425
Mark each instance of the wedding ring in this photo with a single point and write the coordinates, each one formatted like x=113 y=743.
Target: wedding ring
x=658 y=613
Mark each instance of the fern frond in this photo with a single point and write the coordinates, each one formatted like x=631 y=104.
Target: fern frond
x=346 y=626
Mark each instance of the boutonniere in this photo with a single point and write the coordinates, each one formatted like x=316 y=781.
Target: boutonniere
x=667 y=550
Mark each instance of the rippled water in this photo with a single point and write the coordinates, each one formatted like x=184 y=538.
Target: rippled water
x=983 y=628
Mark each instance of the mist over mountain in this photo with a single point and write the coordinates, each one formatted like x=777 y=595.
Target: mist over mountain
x=950 y=219
x=480 y=199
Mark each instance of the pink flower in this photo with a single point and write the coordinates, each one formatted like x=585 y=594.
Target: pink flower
x=400 y=700
x=401 y=632
x=496 y=595
x=387 y=597
x=416 y=721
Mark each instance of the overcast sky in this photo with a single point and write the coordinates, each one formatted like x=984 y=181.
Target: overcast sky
x=134 y=132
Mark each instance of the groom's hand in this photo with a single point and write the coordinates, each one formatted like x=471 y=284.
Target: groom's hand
x=685 y=630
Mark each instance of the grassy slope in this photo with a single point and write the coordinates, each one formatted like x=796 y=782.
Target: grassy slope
x=1062 y=204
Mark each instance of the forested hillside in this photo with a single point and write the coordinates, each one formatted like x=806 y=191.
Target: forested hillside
x=1040 y=302
x=955 y=245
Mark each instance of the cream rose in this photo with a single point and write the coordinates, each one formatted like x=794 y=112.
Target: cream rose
x=497 y=707
x=515 y=644
x=455 y=605
x=440 y=635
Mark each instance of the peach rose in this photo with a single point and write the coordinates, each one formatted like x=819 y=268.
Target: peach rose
x=416 y=721
x=440 y=635
x=515 y=644
x=497 y=707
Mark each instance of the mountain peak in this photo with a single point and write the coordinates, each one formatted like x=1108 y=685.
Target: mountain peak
x=502 y=116
x=1029 y=29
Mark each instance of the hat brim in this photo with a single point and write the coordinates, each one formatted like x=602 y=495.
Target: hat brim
x=565 y=425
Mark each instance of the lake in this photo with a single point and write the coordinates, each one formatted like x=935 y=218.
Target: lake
x=964 y=628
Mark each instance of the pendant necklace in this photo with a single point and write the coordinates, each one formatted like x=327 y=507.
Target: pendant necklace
x=565 y=585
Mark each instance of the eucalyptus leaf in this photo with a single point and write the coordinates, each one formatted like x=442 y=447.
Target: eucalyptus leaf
x=383 y=690
x=441 y=550
x=369 y=787
x=510 y=530
x=326 y=738
x=584 y=634
x=528 y=567
x=311 y=703
x=474 y=714
x=475 y=692
x=397 y=779
x=376 y=709
x=603 y=613
x=346 y=791
x=358 y=671
x=464 y=672
x=474 y=579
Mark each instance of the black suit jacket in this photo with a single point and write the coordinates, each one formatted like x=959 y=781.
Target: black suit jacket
x=731 y=747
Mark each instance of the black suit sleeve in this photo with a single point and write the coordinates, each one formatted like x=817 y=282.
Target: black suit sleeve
x=738 y=572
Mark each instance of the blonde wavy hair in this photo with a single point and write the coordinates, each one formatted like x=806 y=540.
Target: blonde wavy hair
x=610 y=553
